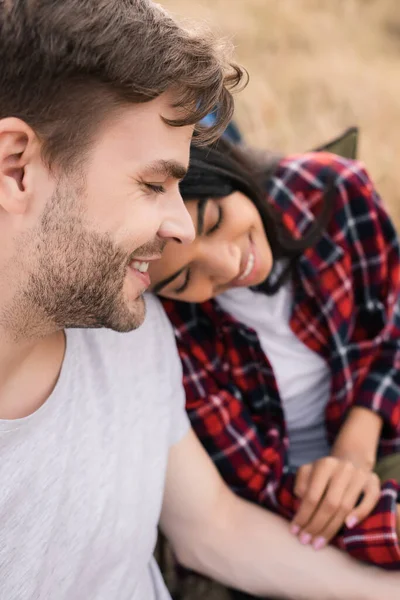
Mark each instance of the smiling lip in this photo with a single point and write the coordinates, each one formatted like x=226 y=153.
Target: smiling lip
x=143 y=276
x=248 y=267
x=149 y=259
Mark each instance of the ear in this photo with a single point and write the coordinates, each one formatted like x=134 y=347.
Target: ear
x=18 y=143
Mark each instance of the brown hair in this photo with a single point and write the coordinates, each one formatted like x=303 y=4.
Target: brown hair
x=66 y=63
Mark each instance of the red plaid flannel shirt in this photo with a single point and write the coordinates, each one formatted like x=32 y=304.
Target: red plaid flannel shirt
x=346 y=308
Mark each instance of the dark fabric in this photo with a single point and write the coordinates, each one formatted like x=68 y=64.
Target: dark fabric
x=235 y=595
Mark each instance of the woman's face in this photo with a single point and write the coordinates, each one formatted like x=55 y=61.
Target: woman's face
x=230 y=250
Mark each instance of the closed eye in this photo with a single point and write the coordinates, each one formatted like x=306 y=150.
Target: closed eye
x=219 y=221
x=157 y=189
x=213 y=229
x=185 y=284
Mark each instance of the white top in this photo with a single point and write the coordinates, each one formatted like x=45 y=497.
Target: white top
x=82 y=478
x=302 y=376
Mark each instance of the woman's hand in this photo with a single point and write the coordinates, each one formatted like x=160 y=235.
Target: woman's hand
x=330 y=490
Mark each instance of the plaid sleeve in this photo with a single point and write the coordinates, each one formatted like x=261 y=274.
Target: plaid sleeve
x=361 y=228
x=248 y=453
x=375 y=540
x=373 y=245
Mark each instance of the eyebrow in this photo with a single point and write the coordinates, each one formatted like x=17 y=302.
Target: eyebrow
x=201 y=208
x=165 y=168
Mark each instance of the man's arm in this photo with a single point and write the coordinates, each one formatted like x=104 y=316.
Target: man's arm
x=244 y=546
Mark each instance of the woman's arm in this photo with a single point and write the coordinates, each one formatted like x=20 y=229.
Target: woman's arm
x=359 y=437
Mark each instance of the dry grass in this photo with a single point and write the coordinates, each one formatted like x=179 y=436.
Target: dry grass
x=316 y=66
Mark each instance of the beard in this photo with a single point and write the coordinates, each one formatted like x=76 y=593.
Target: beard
x=75 y=275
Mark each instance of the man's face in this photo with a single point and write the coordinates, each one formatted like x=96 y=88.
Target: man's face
x=82 y=262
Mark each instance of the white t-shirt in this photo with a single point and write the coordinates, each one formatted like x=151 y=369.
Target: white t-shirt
x=82 y=478
x=302 y=376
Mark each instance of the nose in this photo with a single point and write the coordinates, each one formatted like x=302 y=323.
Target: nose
x=223 y=261
x=176 y=223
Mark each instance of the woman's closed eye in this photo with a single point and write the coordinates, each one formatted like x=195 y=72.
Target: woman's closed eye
x=218 y=222
x=185 y=284
x=212 y=229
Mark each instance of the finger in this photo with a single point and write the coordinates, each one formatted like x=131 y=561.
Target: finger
x=302 y=480
x=372 y=491
x=332 y=502
x=302 y=483
x=319 y=480
x=349 y=501
x=331 y=530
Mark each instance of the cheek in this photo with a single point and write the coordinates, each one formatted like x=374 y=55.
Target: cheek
x=114 y=202
x=126 y=219
x=265 y=254
x=107 y=210
x=268 y=258
x=240 y=216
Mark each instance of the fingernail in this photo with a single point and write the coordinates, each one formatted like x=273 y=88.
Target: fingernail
x=295 y=529
x=319 y=543
x=305 y=539
x=351 y=521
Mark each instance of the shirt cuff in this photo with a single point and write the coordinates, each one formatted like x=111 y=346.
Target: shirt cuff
x=375 y=539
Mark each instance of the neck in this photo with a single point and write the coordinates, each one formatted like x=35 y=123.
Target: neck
x=29 y=371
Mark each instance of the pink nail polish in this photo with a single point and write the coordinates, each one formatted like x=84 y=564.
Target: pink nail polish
x=319 y=543
x=305 y=539
x=295 y=529
x=351 y=522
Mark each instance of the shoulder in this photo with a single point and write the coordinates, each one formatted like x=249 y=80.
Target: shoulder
x=297 y=190
x=307 y=176
x=313 y=168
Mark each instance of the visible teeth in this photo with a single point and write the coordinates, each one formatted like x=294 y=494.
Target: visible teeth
x=141 y=266
x=249 y=267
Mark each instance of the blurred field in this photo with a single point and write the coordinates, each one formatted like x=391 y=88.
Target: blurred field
x=316 y=67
